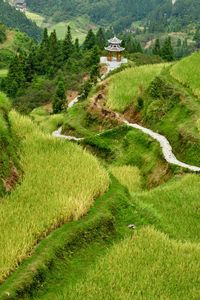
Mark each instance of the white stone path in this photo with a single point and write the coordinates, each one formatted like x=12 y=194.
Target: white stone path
x=164 y=143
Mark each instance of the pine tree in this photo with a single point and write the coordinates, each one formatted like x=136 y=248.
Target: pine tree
x=77 y=46
x=197 y=38
x=167 y=51
x=67 y=45
x=95 y=58
x=157 y=48
x=59 y=98
x=90 y=40
x=100 y=38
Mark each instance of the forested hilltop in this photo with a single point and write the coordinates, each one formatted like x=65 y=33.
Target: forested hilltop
x=122 y=13
x=15 y=19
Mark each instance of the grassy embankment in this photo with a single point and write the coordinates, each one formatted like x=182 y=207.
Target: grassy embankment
x=8 y=152
x=60 y=184
x=15 y=40
x=163 y=104
x=79 y=25
x=126 y=86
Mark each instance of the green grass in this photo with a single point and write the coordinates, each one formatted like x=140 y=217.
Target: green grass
x=125 y=86
x=60 y=183
x=47 y=122
x=177 y=204
x=187 y=72
x=79 y=25
x=3 y=72
x=128 y=176
x=146 y=266
x=8 y=150
x=70 y=251
x=123 y=147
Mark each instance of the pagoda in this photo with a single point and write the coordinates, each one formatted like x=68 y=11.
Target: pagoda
x=114 y=49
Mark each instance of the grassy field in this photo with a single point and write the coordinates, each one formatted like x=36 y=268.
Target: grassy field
x=187 y=72
x=3 y=72
x=125 y=86
x=79 y=26
x=176 y=204
x=60 y=183
x=128 y=176
x=146 y=266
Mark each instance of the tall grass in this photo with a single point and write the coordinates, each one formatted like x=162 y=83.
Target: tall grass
x=125 y=86
x=147 y=266
x=187 y=72
x=178 y=206
x=60 y=183
x=128 y=176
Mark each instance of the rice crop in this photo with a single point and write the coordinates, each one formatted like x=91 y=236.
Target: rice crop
x=177 y=204
x=128 y=176
x=124 y=87
x=147 y=266
x=60 y=183
x=186 y=72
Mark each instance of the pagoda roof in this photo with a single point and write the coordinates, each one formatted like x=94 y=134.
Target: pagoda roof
x=114 y=48
x=114 y=41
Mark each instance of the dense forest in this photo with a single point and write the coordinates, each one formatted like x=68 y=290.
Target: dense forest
x=119 y=14
x=15 y=19
x=162 y=14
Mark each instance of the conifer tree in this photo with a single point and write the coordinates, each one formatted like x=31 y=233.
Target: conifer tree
x=59 y=98
x=167 y=51
x=157 y=48
x=95 y=57
x=67 y=45
x=100 y=38
x=90 y=40
x=197 y=38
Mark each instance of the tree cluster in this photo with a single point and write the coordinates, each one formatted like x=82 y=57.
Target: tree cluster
x=165 y=51
x=15 y=19
x=63 y=63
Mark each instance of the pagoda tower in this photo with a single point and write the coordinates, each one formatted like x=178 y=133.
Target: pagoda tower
x=114 y=49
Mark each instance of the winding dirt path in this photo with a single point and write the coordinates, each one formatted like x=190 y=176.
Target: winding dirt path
x=164 y=143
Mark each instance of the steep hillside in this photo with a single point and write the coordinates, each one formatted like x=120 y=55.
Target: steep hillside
x=121 y=14
x=8 y=153
x=15 y=19
x=117 y=13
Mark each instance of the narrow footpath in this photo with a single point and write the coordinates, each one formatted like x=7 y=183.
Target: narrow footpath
x=164 y=143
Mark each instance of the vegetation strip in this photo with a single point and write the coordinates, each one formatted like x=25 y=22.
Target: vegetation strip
x=164 y=143
x=107 y=220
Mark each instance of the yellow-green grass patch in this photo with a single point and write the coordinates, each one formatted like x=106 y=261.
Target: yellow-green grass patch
x=3 y=72
x=128 y=176
x=124 y=87
x=186 y=72
x=147 y=266
x=60 y=183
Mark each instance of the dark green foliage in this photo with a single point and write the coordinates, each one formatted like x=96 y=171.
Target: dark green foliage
x=167 y=52
x=15 y=19
x=68 y=45
x=8 y=151
x=159 y=88
x=157 y=48
x=101 y=39
x=90 y=40
x=59 y=98
x=2 y=33
x=197 y=38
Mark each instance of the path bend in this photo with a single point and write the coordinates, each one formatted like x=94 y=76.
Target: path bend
x=164 y=143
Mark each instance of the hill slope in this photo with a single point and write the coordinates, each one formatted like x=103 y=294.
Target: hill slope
x=15 y=19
